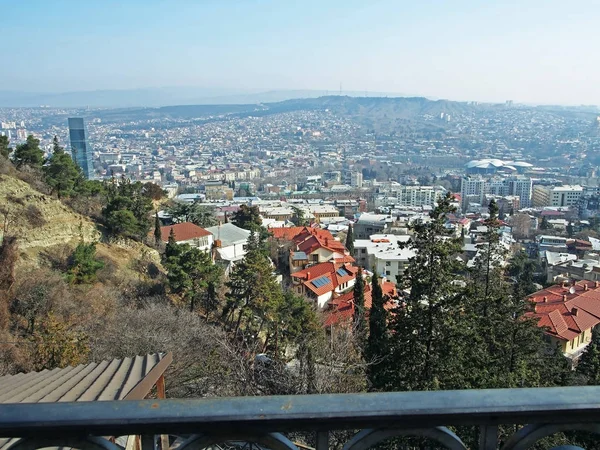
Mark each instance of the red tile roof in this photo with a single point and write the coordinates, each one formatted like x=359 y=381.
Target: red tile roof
x=183 y=231
x=326 y=269
x=567 y=311
x=342 y=307
x=286 y=233
x=312 y=239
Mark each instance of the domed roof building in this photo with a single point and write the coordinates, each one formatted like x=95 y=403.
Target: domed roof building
x=492 y=166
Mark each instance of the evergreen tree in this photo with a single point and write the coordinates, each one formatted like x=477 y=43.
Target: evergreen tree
x=127 y=209
x=29 y=153
x=157 y=232
x=5 y=150
x=192 y=274
x=589 y=364
x=248 y=218
x=61 y=172
x=427 y=340
x=83 y=264
x=570 y=229
x=350 y=240
x=254 y=295
x=172 y=248
x=545 y=225
x=507 y=347
x=359 y=319
x=378 y=342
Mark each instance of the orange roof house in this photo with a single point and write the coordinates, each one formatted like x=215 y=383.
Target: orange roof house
x=568 y=313
x=188 y=233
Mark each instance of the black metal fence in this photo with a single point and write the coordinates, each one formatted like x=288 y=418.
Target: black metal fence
x=265 y=422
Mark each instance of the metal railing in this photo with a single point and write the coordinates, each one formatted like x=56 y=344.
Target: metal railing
x=265 y=422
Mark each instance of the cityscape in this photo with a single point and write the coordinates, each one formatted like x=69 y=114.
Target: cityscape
x=189 y=220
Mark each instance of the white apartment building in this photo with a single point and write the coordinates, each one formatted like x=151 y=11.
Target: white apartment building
x=567 y=195
x=415 y=196
x=474 y=189
x=382 y=252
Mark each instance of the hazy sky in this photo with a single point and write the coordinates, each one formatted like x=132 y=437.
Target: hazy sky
x=540 y=51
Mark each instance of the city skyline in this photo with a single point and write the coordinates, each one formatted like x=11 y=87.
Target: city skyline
x=536 y=52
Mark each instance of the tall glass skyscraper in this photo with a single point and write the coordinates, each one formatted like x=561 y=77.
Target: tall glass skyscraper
x=81 y=151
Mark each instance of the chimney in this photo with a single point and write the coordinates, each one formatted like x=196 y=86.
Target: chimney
x=545 y=299
x=308 y=275
x=596 y=284
x=585 y=287
x=564 y=297
x=574 y=312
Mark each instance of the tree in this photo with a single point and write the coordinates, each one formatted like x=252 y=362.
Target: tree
x=153 y=191
x=29 y=153
x=83 y=264
x=378 y=342
x=570 y=229
x=57 y=344
x=359 y=319
x=425 y=328
x=201 y=215
x=5 y=150
x=589 y=364
x=127 y=209
x=248 y=218
x=254 y=295
x=61 y=172
x=545 y=225
x=299 y=218
x=192 y=275
x=350 y=240
x=157 y=232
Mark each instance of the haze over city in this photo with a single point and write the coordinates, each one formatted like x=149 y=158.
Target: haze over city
x=532 y=51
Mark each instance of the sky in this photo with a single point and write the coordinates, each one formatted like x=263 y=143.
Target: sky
x=529 y=51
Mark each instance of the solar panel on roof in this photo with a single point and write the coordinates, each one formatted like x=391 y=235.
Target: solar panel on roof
x=342 y=272
x=320 y=282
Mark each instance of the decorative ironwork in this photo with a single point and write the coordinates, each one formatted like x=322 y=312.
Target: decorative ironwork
x=258 y=423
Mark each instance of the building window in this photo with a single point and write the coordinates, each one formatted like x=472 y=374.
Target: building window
x=388 y=263
x=363 y=250
x=387 y=272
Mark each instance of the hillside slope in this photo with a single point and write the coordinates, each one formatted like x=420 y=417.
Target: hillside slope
x=38 y=220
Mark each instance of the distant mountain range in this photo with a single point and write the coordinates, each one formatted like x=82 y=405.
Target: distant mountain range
x=156 y=97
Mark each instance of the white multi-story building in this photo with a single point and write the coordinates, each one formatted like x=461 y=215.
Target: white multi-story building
x=567 y=195
x=521 y=187
x=415 y=196
x=383 y=253
x=472 y=190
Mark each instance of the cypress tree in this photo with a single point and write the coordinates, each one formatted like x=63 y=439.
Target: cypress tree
x=359 y=317
x=377 y=343
x=157 y=232
x=350 y=240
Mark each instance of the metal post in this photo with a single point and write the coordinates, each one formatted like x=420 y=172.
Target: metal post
x=322 y=440
x=488 y=437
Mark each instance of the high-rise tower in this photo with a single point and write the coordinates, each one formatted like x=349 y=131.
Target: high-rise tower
x=80 y=148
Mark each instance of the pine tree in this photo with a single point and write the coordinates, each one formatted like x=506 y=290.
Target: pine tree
x=507 y=347
x=359 y=319
x=589 y=364
x=157 y=232
x=378 y=342
x=350 y=240
x=29 y=153
x=5 y=150
x=545 y=225
x=426 y=328
x=172 y=248
x=61 y=172
x=254 y=295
